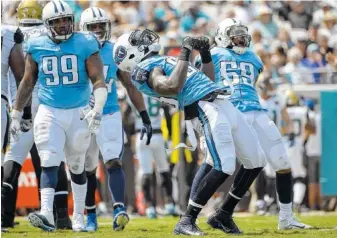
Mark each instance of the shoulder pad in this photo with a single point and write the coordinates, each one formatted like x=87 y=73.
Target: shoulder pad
x=18 y=36
x=140 y=75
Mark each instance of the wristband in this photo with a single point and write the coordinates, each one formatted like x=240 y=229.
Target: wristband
x=206 y=57
x=100 y=95
x=27 y=112
x=145 y=117
x=184 y=54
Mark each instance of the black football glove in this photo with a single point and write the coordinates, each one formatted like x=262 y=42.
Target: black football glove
x=189 y=43
x=202 y=44
x=147 y=128
x=291 y=138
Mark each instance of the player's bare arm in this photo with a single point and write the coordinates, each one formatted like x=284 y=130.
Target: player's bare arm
x=17 y=63
x=172 y=85
x=27 y=83
x=135 y=96
x=94 y=66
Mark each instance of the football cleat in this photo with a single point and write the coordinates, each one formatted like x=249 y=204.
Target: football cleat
x=43 y=220
x=120 y=217
x=78 y=223
x=151 y=212
x=223 y=221
x=91 y=222
x=291 y=223
x=170 y=209
x=187 y=226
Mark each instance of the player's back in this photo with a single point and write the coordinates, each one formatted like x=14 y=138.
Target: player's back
x=240 y=70
x=62 y=74
x=197 y=84
x=110 y=71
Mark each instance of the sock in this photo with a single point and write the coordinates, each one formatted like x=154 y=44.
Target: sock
x=117 y=183
x=61 y=193
x=207 y=187
x=47 y=199
x=202 y=172
x=299 y=192
x=79 y=193
x=167 y=185
x=271 y=191
x=90 y=203
x=284 y=187
x=260 y=186
x=242 y=182
x=146 y=187
x=284 y=190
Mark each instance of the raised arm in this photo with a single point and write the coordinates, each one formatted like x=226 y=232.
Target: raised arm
x=207 y=66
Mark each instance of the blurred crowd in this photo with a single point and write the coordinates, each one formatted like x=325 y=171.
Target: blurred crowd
x=293 y=38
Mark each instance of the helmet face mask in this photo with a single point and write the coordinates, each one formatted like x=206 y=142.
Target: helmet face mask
x=143 y=39
x=102 y=30
x=58 y=19
x=131 y=49
x=97 y=21
x=234 y=35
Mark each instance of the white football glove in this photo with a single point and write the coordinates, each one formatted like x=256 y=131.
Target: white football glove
x=15 y=127
x=93 y=119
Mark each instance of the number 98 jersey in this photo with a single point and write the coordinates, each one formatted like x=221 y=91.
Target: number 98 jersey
x=62 y=76
x=241 y=71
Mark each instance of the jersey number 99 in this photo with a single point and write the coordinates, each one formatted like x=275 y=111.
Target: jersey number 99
x=66 y=64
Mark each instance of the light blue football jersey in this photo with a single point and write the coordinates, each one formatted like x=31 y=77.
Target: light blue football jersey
x=110 y=70
x=242 y=72
x=63 y=79
x=197 y=84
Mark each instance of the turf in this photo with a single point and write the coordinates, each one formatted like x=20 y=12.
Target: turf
x=253 y=226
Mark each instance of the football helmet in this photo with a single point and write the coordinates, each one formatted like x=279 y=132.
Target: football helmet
x=291 y=98
x=233 y=34
x=131 y=48
x=95 y=15
x=56 y=10
x=30 y=12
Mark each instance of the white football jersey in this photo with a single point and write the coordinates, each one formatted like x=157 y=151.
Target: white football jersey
x=28 y=32
x=274 y=107
x=314 y=146
x=7 y=43
x=153 y=107
x=298 y=116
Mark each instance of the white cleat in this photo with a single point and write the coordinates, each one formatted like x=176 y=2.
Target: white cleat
x=291 y=223
x=78 y=223
x=43 y=220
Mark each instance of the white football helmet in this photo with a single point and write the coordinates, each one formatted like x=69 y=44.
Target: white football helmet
x=131 y=48
x=53 y=11
x=230 y=29
x=95 y=15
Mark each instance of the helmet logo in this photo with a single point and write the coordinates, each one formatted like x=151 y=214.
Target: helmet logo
x=120 y=54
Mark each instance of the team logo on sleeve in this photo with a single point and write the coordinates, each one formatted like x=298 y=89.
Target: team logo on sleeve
x=120 y=54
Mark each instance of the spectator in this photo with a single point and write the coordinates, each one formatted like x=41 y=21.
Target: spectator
x=314 y=62
x=298 y=17
x=322 y=41
x=284 y=38
x=312 y=32
x=319 y=14
x=266 y=24
x=191 y=16
x=330 y=22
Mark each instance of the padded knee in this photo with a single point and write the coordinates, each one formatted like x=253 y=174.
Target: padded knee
x=114 y=163
x=76 y=164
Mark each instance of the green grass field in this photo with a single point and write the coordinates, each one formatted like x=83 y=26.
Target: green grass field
x=253 y=226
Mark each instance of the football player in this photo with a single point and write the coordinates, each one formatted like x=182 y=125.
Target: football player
x=154 y=153
x=175 y=81
x=62 y=61
x=238 y=67
x=109 y=139
x=30 y=22
x=11 y=59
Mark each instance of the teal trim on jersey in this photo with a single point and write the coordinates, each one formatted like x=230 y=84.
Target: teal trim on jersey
x=328 y=175
x=209 y=139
